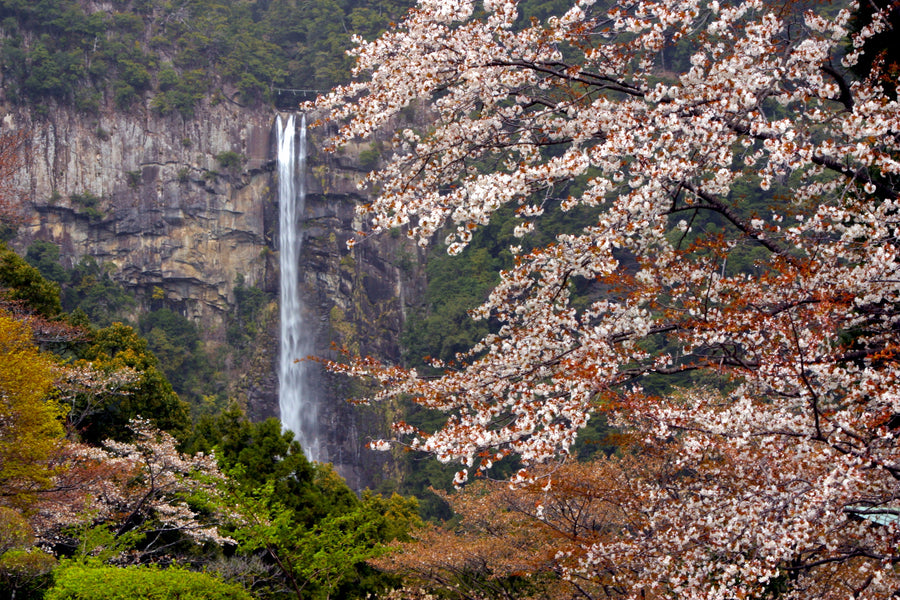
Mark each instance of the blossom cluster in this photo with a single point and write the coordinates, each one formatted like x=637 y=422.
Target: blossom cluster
x=758 y=146
x=144 y=485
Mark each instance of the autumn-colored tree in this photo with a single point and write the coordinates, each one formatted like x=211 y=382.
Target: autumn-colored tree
x=521 y=542
x=533 y=540
x=744 y=236
x=31 y=441
x=54 y=493
x=30 y=420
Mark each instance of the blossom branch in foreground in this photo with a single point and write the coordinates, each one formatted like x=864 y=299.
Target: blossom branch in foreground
x=752 y=146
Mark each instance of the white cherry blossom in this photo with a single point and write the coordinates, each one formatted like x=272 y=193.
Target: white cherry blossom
x=782 y=458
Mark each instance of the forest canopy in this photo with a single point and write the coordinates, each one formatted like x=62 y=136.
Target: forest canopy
x=175 y=53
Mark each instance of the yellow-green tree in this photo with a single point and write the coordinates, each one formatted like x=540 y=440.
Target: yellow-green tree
x=151 y=396
x=20 y=282
x=30 y=421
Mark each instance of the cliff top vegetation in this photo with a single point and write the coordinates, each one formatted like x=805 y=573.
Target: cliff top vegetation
x=173 y=53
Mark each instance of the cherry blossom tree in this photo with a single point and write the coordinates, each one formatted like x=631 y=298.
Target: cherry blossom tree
x=84 y=387
x=144 y=492
x=781 y=449
x=521 y=542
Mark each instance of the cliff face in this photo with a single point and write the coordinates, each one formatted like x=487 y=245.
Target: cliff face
x=170 y=204
x=357 y=298
x=167 y=214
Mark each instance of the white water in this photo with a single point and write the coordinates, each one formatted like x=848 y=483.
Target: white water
x=299 y=412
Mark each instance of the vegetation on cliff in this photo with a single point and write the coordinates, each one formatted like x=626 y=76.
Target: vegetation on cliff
x=175 y=52
x=747 y=352
x=101 y=465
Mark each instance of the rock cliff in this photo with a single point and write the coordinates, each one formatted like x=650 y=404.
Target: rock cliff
x=167 y=214
x=182 y=207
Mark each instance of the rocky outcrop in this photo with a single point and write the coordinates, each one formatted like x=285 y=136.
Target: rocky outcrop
x=182 y=207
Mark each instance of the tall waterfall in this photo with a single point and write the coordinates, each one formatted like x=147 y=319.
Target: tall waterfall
x=295 y=398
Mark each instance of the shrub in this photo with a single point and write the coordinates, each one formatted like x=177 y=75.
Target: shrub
x=88 y=203
x=230 y=160
x=134 y=178
x=85 y=199
x=88 y=582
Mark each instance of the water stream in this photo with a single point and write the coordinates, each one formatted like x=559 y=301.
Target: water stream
x=299 y=412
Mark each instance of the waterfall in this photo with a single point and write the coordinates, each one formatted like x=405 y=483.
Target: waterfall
x=299 y=411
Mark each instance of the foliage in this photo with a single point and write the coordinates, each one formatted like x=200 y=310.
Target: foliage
x=516 y=542
x=158 y=490
x=129 y=502
x=324 y=559
x=171 y=339
x=92 y=290
x=44 y=256
x=248 y=318
x=21 y=282
x=776 y=478
x=179 y=93
x=175 y=342
x=87 y=204
x=26 y=573
x=300 y=518
x=30 y=421
x=246 y=452
x=230 y=160
x=133 y=178
x=456 y=284
x=178 y=52
x=89 y=290
x=14 y=530
x=86 y=389
x=24 y=569
x=151 y=396
x=136 y=498
x=76 y=581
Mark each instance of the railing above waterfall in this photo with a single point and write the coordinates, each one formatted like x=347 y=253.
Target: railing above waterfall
x=296 y=92
x=288 y=98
